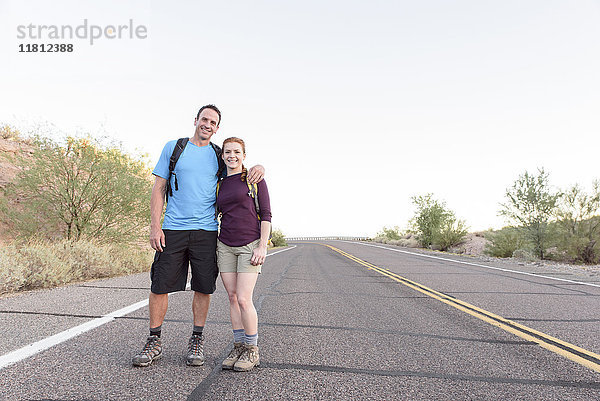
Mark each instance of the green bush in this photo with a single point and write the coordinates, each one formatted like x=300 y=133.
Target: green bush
x=578 y=224
x=389 y=234
x=82 y=189
x=451 y=233
x=504 y=242
x=435 y=225
x=277 y=238
x=42 y=264
x=531 y=203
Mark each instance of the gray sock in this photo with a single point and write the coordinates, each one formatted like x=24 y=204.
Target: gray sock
x=198 y=330
x=155 y=331
x=238 y=336
x=251 y=339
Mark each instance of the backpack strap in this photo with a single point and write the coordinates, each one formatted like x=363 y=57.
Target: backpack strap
x=253 y=193
x=216 y=207
x=218 y=153
x=177 y=151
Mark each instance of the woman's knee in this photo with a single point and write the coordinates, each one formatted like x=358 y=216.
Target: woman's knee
x=233 y=298
x=245 y=303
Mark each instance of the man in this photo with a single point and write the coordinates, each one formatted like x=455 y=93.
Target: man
x=189 y=232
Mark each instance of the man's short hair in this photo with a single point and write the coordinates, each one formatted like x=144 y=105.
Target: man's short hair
x=212 y=107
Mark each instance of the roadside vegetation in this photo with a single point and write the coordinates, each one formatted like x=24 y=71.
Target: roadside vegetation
x=544 y=223
x=33 y=264
x=278 y=238
x=433 y=226
x=75 y=209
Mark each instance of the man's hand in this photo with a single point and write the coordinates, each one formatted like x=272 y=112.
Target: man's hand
x=256 y=174
x=259 y=255
x=157 y=201
x=157 y=239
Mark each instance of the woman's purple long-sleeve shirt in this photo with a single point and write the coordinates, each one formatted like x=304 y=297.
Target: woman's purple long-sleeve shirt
x=239 y=222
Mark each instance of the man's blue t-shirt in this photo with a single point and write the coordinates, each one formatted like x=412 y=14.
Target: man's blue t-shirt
x=192 y=206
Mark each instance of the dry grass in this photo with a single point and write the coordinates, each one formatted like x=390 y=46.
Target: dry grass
x=407 y=241
x=41 y=264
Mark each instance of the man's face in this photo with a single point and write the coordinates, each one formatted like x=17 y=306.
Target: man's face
x=207 y=124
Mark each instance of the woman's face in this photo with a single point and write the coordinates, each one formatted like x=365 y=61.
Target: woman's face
x=233 y=155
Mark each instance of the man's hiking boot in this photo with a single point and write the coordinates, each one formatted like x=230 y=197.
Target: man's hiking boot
x=151 y=352
x=248 y=359
x=195 y=355
x=234 y=355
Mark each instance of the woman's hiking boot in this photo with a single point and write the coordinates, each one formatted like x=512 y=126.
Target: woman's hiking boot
x=234 y=355
x=248 y=359
x=151 y=352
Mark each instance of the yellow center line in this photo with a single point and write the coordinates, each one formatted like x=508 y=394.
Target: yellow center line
x=574 y=353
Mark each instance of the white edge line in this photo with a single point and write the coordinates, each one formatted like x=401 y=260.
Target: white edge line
x=474 y=264
x=42 y=345
x=281 y=250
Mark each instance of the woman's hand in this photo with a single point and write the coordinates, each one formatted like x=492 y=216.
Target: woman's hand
x=259 y=255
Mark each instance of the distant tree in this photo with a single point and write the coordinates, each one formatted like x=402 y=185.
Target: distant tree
x=81 y=189
x=435 y=224
x=577 y=215
x=530 y=204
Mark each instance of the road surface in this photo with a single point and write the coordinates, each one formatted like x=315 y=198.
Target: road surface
x=338 y=321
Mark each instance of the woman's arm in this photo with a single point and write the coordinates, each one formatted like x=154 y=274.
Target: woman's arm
x=260 y=253
x=264 y=202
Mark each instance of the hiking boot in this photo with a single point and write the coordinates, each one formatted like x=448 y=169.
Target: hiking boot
x=195 y=355
x=248 y=359
x=234 y=355
x=151 y=352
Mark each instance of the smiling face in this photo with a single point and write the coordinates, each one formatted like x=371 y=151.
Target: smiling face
x=207 y=124
x=233 y=156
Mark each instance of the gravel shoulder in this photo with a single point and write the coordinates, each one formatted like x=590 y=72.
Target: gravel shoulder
x=586 y=273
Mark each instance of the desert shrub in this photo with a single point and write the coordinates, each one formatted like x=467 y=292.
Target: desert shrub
x=407 y=241
x=503 y=243
x=389 y=234
x=531 y=204
x=8 y=132
x=451 y=232
x=581 y=249
x=578 y=224
x=41 y=264
x=82 y=189
x=436 y=226
x=277 y=238
x=524 y=254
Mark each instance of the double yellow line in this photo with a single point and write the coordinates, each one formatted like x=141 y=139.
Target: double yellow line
x=570 y=351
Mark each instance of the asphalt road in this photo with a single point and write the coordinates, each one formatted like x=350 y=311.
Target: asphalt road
x=334 y=325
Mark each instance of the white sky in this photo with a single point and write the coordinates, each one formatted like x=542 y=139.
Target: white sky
x=352 y=107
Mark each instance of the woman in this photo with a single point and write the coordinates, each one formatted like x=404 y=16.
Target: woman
x=241 y=251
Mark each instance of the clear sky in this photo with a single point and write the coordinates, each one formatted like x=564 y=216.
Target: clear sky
x=352 y=107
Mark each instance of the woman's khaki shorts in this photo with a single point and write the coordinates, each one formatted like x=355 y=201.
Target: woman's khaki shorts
x=236 y=259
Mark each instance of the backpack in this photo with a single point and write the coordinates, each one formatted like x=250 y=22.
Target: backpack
x=177 y=151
